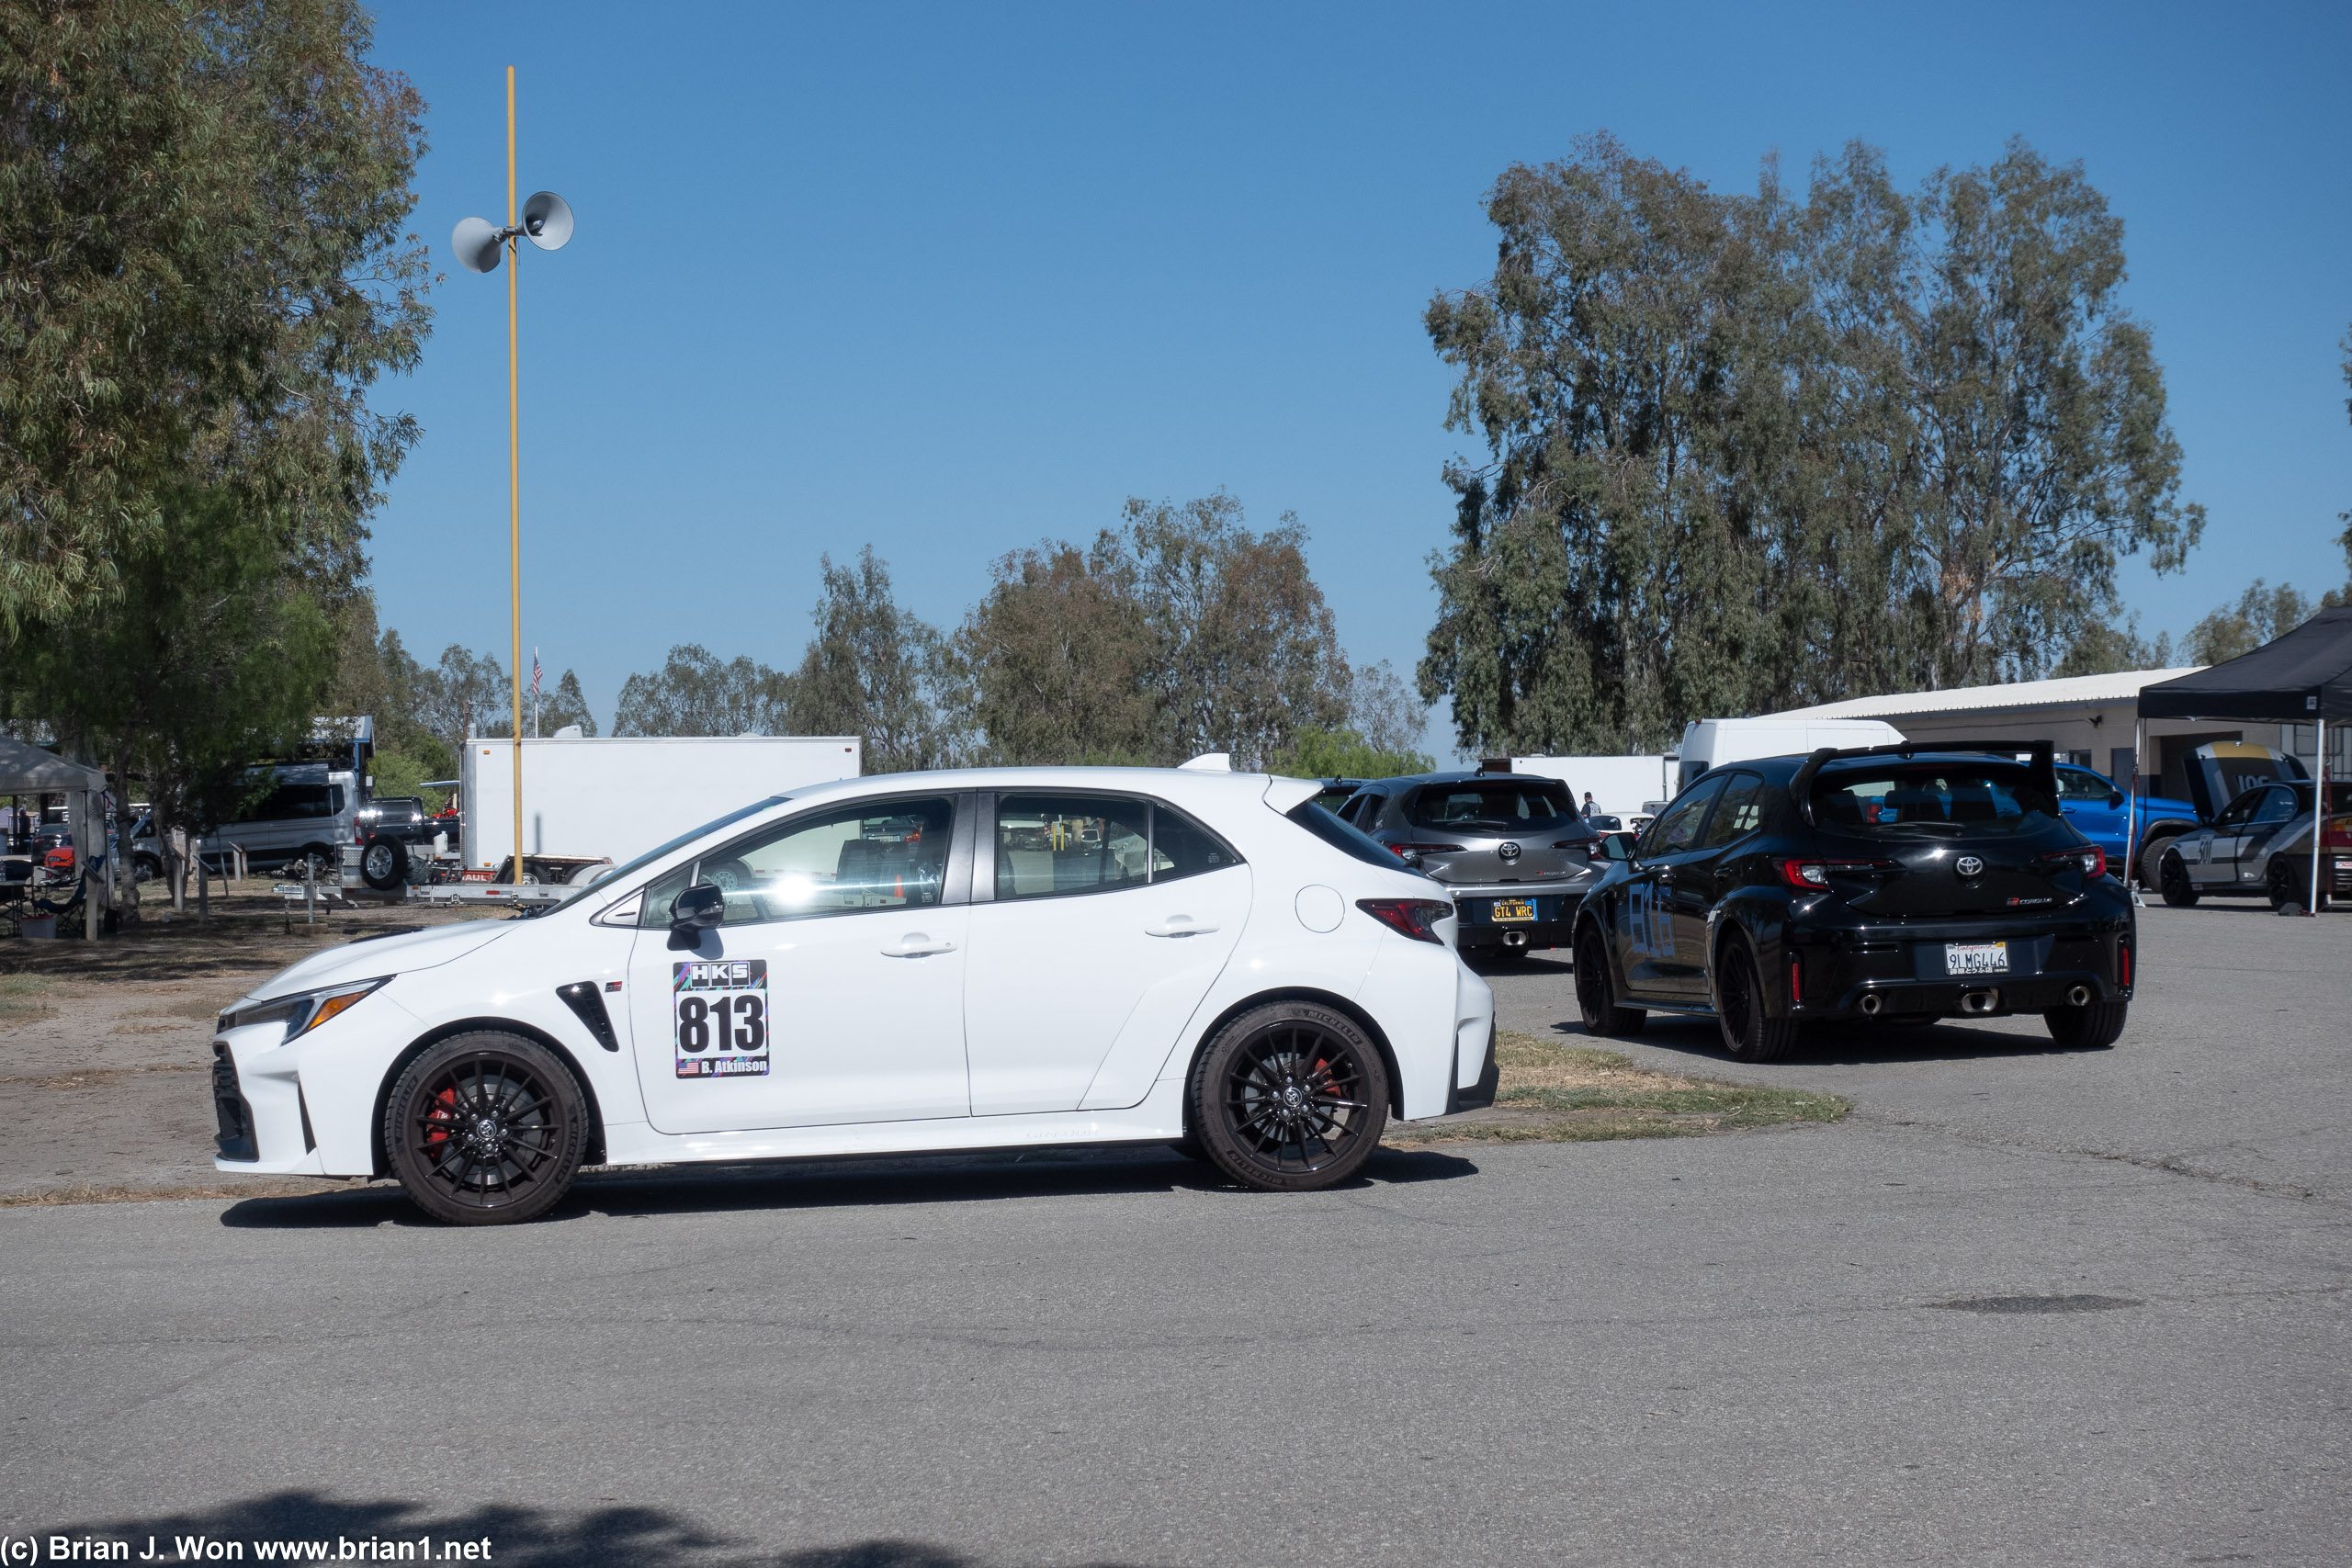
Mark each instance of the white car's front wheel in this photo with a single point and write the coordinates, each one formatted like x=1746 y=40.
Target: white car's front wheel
x=486 y=1129
x=1289 y=1098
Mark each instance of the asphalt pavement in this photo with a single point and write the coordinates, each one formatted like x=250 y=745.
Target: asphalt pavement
x=2024 y=1307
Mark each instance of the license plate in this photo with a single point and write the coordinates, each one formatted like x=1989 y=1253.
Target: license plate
x=1513 y=909
x=1976 y=958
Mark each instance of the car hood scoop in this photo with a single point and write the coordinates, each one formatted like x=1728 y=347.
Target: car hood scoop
x=368 y=957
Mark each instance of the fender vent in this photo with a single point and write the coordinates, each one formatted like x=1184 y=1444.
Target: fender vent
x=586 y=1000
x=236 y=1135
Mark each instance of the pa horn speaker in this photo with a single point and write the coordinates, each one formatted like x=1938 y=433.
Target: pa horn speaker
x=547 y=219
x=477 y=245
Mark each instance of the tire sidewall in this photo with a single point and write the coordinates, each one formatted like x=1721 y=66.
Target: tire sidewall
x=400 y=1106
x=1205 y=1108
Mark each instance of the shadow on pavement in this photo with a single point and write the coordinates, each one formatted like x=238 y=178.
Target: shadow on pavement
x=1843 y=1044
x=519 y=1538
x=833 y=1183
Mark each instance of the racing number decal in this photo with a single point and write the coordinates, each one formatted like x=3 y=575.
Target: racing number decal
x=719 y=1017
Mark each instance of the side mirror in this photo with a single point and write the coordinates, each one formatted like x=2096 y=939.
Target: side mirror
x=1617 y=846
x=2114 y=798
x=698 y=908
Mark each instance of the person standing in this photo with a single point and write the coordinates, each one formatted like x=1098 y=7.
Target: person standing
x=1590 y=810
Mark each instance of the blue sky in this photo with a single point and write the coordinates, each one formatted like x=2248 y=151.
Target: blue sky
x=951 y=280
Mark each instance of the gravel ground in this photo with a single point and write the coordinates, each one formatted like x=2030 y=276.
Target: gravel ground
x=105 y=1048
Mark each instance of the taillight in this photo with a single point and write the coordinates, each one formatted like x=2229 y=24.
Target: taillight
x=2091 y=859
x=2338 y=835
x=1415 y=917
x=1813 y=875
x=1406 y=852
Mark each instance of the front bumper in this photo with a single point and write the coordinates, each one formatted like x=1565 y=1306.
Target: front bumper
x=1902 y=969
x=1551 y=906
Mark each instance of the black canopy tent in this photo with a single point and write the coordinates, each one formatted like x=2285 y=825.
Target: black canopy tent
x=2304 y=677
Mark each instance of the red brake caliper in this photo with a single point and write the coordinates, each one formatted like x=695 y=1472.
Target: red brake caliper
x=443 y=1111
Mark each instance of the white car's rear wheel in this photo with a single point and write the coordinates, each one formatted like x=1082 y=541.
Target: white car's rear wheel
x=486 y=1129
x=1289 y=1098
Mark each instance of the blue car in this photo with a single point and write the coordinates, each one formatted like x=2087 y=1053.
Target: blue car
x=2096 y=807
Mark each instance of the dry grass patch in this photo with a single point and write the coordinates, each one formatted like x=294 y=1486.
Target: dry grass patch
x=24 y=998
x=1557 y=1093
x=281 y=1187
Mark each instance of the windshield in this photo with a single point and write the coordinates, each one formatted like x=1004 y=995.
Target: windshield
x=1507 y=806
x=1933 y=800
x=606 y=881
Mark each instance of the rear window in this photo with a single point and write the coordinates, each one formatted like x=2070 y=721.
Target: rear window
x=1346 y=840
x=1510 y=806
x=1930 y=800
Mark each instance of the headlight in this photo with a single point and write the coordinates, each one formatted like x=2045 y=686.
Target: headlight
x=303 y=1011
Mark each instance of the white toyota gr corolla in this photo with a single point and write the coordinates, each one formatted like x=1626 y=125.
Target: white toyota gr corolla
x=987 y=959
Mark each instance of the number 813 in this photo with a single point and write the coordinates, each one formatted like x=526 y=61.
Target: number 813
x=727 y=1023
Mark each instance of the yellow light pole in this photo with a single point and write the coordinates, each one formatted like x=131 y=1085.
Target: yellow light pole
x=546 y=221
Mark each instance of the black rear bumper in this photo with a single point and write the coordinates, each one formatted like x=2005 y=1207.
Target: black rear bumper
x=1866 y=973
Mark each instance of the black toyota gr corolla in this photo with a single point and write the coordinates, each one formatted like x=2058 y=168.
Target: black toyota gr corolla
x=1898 y=883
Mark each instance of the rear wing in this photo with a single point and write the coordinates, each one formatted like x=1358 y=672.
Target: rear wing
x=2041 y=754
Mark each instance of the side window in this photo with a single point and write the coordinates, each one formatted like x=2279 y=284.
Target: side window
x=1182 y=847
x=873 y=854
x=2235 y=818
x=2277 y=805
x=1678 y=826
x=1741 y=810
x=1071 y=844
x=2076 y=783
x=1363 y=810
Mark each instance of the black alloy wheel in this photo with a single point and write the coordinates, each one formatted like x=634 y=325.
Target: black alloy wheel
x=1751 y=1032
x=2172 y=881
x=1289 y=1098
x=486 y=1129
x=1596 y=992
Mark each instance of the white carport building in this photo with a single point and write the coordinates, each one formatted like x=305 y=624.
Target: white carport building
x=2088 y=719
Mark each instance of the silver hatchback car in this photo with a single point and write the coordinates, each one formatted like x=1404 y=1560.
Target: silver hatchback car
x=1509 y=847
x=2261 y=844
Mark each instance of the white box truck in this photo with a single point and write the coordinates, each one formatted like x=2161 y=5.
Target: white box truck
x=614 y=798
x=1709 y=743
x=1622 y=787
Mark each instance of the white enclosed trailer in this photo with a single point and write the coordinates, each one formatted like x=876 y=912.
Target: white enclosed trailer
x=614 y=798
x=1622 y=787
x=1709 y=743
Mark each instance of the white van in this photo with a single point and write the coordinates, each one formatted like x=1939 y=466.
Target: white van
x=1710 y=743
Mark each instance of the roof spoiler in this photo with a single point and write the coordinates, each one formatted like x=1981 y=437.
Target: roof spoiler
x=2043 y=762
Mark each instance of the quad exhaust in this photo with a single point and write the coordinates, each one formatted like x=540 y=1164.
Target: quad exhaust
x=2080 y=997
x=1871 y=1004
x=1980 y=1002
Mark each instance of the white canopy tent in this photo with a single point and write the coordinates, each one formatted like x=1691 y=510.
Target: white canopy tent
x=29 y=770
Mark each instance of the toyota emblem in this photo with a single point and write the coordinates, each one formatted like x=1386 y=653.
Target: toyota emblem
x=1969 y=865
x=1509 y=849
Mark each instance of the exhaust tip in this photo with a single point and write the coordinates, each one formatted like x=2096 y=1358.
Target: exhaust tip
x=1514 y=939
x=1870 y=1005
x=2079 y=996
x=1980 y=1002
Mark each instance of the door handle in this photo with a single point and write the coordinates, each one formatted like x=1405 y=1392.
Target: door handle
x=915 y=944
x=1178 y=925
